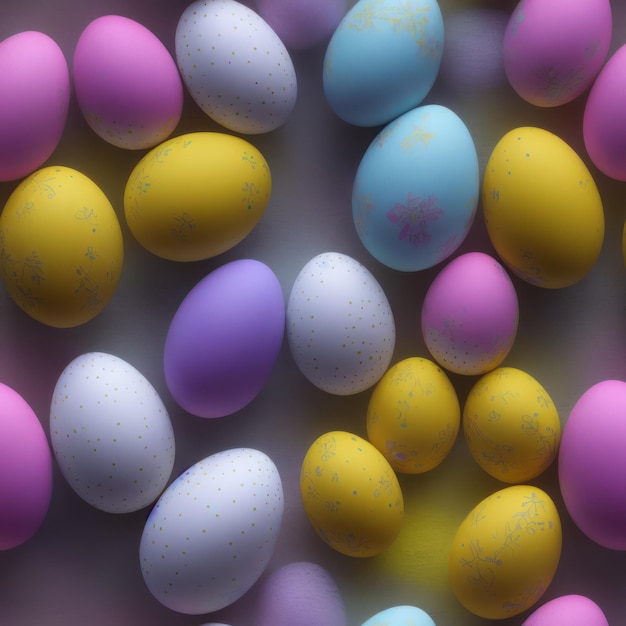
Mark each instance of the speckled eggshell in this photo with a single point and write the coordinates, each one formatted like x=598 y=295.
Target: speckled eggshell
x=111 y=433
x=592 y=464
x=235 y=67
x=340 y=326
x=554 y=49
x=300 y=593
x=572 y=610
x=25 y=470
x=402 y=615
x=126 y=82
x=224 y=339
x=213 y=531
x=35 y=101
x=470 y=314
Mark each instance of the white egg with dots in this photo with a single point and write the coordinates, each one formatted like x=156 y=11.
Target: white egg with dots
x=235 y=66
x=111 y=433
x=340 y=326
x=212 y=533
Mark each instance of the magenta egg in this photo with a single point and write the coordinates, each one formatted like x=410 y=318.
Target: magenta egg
x=127 y=84
x=300 y=593
x=25 y=470
x=573 y=610
x=554 y=49
x=592 y=464
x=604 y=121
x=34 y=102
x=302 y=24
x=224 y=339
x=470 y=314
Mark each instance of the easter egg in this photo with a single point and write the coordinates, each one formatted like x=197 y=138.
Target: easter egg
x=62 y=247
x=301 y=24
x=470 y=314
x=542 y=208
x=511 y=425
x=25 y=470
x=402 y=615
x=604 y=120
x=553 y=51
x=235 y=66
x=111 y=433
x=35 y=101
x=340 y=327
x=406 y=212
x=126 y=82
x=505 y=552
x=413 y=416
x=300 y=593
x=224 y=339
x=197 y=195
x=592 y=467
x=573 y=610
x=351 y=494
x=213 y=531
x=383 y=59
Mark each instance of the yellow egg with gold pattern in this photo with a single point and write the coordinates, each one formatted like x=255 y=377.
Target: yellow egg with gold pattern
x=197 y=195
x=542 y=208
x=61 y=247
x=351 y=495
x=505 y=552
x=413 y=416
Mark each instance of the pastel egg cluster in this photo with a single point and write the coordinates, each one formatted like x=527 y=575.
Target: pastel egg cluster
x=213 y=529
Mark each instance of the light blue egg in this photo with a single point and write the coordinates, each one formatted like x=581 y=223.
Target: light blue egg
x=383 y=59
x=416 y=189
x=400 y=616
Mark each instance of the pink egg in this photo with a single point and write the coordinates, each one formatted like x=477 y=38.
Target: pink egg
x=127 y=83
x=34 y=102
x=224 y=339
x=554 y=49
x=592 y=464
x=573 y=610
x=25 y=470
x=604 y=121
x=470 y=314
x=302 y=24
x=300 y=593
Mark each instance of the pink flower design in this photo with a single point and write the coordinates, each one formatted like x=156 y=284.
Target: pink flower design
x=414 y=217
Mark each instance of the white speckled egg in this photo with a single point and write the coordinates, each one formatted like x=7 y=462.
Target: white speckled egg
x=235 y=66
x=213 y=531
x=111 y=434
x=340 y=327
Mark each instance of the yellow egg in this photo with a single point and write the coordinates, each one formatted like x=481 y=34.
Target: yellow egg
x=351 y=494
x=542 y=208
x=511 y=425
x=62 y=248
x=197 y=195
x=414 y=416
x=506 y=552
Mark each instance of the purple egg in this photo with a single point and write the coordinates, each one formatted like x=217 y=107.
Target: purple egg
x=300 y=593
x=302 y=24
x=224 y=339
x=592 y=464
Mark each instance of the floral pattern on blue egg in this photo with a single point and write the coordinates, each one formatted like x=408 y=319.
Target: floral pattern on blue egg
x=383 y=59
x=415 y=192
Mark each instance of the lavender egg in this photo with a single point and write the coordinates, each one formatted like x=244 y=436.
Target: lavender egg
x=224 y=339
x=300 y=593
